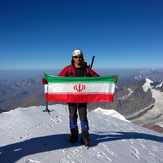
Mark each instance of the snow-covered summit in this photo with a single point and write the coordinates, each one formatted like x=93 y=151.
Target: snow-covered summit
x=28 y=135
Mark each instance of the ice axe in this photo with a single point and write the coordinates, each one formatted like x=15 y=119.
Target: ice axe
x=90 y=66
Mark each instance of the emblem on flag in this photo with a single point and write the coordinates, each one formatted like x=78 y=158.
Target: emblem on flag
x=79 y=87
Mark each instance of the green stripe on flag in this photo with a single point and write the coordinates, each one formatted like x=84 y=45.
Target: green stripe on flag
x=59 y=79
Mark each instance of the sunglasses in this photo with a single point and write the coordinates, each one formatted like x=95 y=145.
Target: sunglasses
x=78 y=57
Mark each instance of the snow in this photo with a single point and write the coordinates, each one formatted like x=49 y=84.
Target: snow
x=147 y=84
x=112 y=113
x=28 y=135
x=159 y=124
x=127 y=95
x=160 y=85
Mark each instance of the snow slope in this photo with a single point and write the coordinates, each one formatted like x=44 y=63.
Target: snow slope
x=28 y=135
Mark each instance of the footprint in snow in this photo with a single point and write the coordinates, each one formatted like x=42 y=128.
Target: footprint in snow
x=107 y=149
x=25 y=136
x=96 y=153
x=56 y=119
x=70 y=155
x=30 y=161
x=135 y=152
x=38 y=125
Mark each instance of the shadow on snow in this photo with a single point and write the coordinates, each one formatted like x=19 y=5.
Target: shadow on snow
x=13 y=152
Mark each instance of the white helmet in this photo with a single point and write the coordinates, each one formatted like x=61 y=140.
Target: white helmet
x=77 y=52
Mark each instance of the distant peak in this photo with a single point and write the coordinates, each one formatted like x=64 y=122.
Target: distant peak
x=148 y=80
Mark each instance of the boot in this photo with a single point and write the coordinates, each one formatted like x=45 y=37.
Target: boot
x=74 y=135
x=85 y=138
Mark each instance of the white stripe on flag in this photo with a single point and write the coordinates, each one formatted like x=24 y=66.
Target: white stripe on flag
x=74 y=88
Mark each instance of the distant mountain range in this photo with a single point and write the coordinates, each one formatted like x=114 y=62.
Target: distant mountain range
x=135 y=97
x=154 y=74
x=22 y=94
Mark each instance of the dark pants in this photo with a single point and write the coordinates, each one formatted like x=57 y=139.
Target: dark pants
x=81 y=110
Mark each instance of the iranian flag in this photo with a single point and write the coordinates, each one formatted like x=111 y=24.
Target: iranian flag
x=79 y=89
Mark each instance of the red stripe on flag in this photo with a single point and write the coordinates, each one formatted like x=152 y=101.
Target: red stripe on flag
x=79 y=98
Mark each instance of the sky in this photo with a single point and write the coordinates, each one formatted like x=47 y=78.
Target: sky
x=39 y=34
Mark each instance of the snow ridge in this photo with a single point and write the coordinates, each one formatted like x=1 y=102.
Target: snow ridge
x=28 y=135
x=112 y=113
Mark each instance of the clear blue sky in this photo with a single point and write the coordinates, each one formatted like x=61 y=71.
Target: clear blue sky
x=41 y=34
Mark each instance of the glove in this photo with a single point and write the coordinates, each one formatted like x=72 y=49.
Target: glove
x=116 y=79
x=44 y=81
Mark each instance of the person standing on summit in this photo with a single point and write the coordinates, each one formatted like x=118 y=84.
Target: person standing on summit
x=78 y=68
